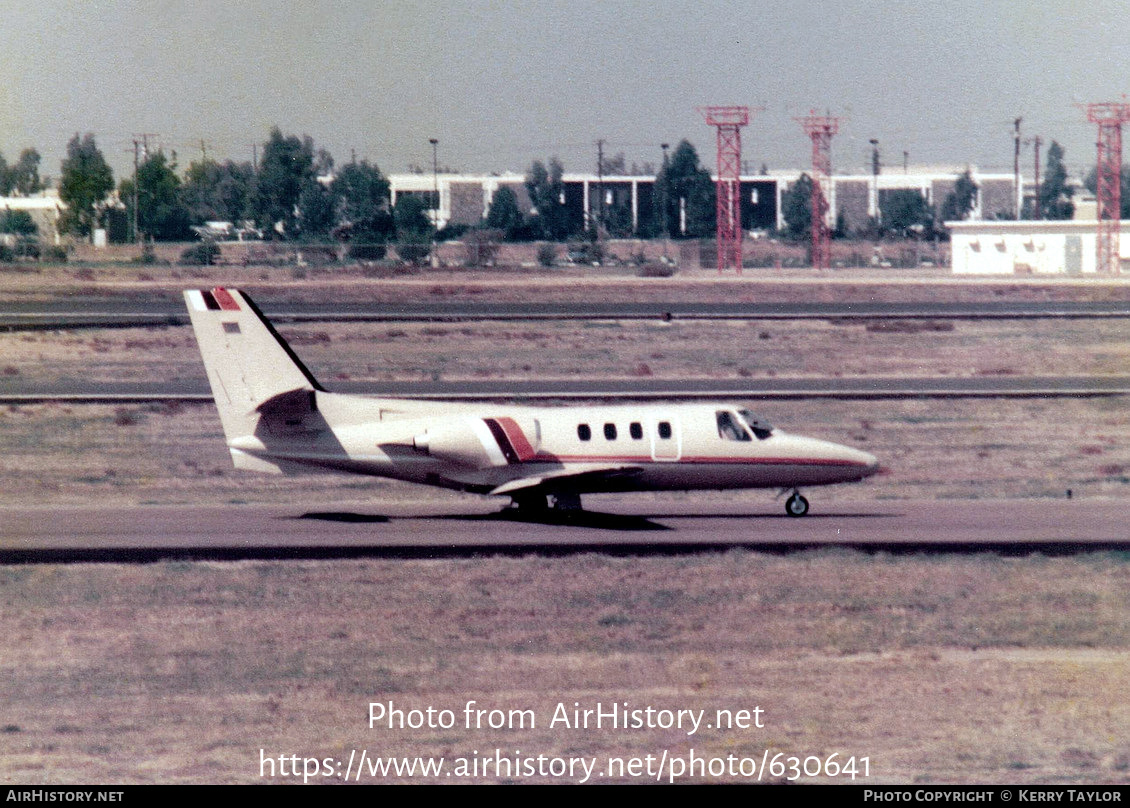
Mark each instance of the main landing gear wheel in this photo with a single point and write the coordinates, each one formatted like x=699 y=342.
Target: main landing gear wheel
x=531 y=504
x=796 y=505
x=565 y=501
x=540 y=504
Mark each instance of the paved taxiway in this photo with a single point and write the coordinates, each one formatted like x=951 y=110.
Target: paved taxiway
x=102 y=313
x=619 y=524
x=14 y=390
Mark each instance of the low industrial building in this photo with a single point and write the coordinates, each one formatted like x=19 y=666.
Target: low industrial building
x=1066 y=247
x=854 y=199
x=45 y=209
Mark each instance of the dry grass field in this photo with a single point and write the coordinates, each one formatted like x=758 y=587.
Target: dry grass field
x=937 y=669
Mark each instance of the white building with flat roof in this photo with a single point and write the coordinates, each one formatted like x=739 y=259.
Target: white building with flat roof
x=1067 y=247
x=856 y=198
x=45 y=209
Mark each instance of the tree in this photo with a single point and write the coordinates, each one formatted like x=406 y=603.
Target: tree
x=19 y=222
x=796 y=207
x=505 y=215
x=287 y=167
x=25 y=173
x=317 y=213
x=906 y=210
x=7 y=181
x=618 y=220
x=85 y=182
x=614 y=166
x=361 y=193
x=218 y=192
x=689 y=192
x=161 y=213
x=547 y=191
x=1091 y=183
x=413 y=228
x=1055 y=194
x=410 y=217
x=960 y=202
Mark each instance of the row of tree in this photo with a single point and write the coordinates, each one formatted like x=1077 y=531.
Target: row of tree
x=286 y=193
x=683 y=204
x=293 y=191
x=905 y=212
x=23 y=176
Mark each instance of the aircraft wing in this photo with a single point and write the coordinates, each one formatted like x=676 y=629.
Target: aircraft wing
x=573 y=477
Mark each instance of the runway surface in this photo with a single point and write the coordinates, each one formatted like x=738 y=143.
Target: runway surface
x=14 y=390
x=102 y=313
x=611 y=524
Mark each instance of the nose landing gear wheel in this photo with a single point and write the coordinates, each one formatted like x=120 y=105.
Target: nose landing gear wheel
x=796 y=505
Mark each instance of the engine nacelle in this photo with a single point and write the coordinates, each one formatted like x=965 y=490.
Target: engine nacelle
x=480 y=442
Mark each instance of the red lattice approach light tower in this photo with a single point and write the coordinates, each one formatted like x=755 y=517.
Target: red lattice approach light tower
x=820 y=128
x=729 y=122
x=1108 y=190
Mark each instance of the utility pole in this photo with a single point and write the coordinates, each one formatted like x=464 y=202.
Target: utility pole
x=1036 y=141
x=145 y=142
x=141 y=146
x=136 y=144
x=435 y=200
x=1016 y=165
x=664 y=202
x=875 y=178
x=599 y=186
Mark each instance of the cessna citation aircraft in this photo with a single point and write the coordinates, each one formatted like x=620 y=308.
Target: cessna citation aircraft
x=277 y=418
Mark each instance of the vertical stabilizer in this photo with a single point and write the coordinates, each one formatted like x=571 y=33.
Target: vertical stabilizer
x=250 y=367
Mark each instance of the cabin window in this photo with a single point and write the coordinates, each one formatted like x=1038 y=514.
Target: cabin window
x=583 y=432
x=729 y=428
x=610 y=431
x=664 y=430
x=635 y=430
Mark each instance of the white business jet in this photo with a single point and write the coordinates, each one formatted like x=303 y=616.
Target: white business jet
x=277 y=418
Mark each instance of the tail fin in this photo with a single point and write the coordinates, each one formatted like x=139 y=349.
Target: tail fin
x=254 y=374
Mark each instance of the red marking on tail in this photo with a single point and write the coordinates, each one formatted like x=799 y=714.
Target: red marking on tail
x=224 y=298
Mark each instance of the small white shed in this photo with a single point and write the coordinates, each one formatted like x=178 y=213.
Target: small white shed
x=1029 y=247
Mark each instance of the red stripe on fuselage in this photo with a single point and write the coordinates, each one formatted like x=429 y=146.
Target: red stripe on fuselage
x=753 y=461
x=517 y=438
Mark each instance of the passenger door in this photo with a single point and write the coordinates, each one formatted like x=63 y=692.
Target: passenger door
x=666 y=440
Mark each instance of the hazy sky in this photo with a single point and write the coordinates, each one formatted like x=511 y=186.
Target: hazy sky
x=504 y=83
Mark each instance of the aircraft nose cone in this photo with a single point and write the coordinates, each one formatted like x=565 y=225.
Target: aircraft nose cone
x=865 y=462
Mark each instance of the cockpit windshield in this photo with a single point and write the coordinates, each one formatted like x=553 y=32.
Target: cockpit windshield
x=761 y=428
x=729 y=427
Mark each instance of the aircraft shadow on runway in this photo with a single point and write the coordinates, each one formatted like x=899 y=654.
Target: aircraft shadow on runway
x=775 y=517
x=583 y=519
x=345 y=516
x=595 y=520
